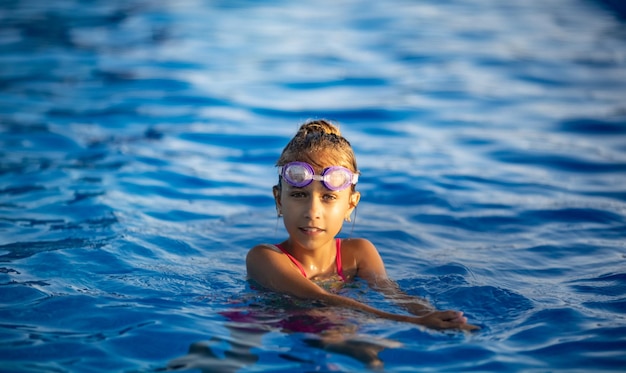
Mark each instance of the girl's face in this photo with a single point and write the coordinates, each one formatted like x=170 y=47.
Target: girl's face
x=314 y=215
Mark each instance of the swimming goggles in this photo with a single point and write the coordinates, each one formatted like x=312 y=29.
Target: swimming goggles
x=301 y=174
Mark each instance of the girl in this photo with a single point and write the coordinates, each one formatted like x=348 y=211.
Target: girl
x=315 y=194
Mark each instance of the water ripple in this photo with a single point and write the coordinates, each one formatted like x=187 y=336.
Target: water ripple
x=592 y=126
x=568 y=163
x=20 y=250
x=137 y=150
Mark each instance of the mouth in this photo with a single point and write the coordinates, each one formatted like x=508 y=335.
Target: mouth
x=311 y=230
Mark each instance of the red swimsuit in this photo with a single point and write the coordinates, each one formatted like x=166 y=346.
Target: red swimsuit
x=337 y=260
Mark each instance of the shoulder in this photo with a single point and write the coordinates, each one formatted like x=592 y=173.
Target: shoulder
x=363 y=257
x=273 y=270
x=263 y=259
x=358 y=246
x=262 y=251
x=265 y=246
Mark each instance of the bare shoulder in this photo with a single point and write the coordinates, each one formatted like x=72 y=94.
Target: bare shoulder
x=273 y=270
x=363 y=258
x=263 y=247
x=260 y=253
x=358 y=246
x=263 y=263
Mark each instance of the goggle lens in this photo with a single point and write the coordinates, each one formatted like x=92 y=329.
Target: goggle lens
x=301 y=174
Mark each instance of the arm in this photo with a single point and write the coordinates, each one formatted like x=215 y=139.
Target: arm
x=371 y=268
x=274 y=271
x=413 y=304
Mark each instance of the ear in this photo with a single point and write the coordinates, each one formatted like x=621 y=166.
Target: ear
x=355 y=197
x=276 y=192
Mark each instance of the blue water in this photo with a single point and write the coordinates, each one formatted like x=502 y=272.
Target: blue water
x=137 y=143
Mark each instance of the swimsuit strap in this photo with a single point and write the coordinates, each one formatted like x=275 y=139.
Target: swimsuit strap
x=294 y=260
x=337 y=260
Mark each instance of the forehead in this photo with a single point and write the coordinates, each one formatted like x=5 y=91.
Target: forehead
x=320 y=160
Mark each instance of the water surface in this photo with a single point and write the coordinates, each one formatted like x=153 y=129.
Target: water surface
x=137 y=144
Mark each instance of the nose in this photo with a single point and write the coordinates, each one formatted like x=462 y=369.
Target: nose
x=314 y=208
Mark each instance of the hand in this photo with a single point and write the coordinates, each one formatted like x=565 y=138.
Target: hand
x=444 y=320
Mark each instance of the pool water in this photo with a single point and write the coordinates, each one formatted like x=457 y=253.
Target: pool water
x=137 y=149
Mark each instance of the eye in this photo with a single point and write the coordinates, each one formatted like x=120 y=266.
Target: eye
x=297 y=194
x=329 y=197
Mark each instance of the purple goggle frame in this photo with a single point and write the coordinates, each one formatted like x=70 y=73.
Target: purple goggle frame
x=301 y=174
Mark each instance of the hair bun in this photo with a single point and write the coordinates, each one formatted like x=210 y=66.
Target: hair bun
x=319 y=143
x=319 y=126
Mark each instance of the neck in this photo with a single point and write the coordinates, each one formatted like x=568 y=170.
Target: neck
x=316 y=260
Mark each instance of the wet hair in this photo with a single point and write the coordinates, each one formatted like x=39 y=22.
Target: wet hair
x=320 y=144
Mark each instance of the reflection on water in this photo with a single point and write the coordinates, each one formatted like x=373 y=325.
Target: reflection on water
x=319 y=327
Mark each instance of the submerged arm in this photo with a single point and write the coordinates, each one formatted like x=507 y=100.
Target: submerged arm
x=413 y=304
x=371 y=268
